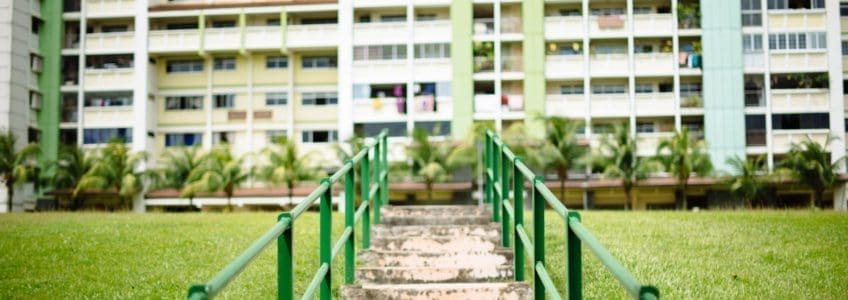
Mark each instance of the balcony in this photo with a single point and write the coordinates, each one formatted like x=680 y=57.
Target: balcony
x=438 y=31
x=608 y=26
x=34 y=43
x=655 y=104
x=380 y=71
x=800 y=19
x=512 y=63
x=653 y=24
x=112 y=42
x=655 y=63
x=429 y=108
x=217 y=39
x=754 y=61
x=263 y=37
x=572 y=106
x=800 y=100
x=511 y=27
x=319 y=35
x=380 y=33
x=108 y=116
x=109 y=8
x=484 y=64
x=782 y=140
x=386 y=109
x=754 y=98
x=755 y=137
x=183 y=40
x=647 y=143
x=691 y=103
x=610 y=105
x=108 y=79
x=609 y=64
x=564 y=66
x=432 y=69
x=798 y=61
x=491 y=104
x=564 y=27
x=484 y=26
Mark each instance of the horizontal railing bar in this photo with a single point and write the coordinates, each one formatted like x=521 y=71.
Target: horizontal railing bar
x=522 y=235
x=306 y=203
x=528 y=174
x=551 y=199
x=489 y=174
x=362 y=153
x=360 y=211
x=316 y=281
x=497 y=188
x=384 y=174
x=214 y=286
x=508 y=208
x=373 y=191
x=341 y=172
x=341 y=242
x=508 y=153
x=550 y=288
x=613 y=265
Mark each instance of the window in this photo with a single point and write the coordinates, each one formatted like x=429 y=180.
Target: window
x=843 y=9
x=319 y=136
x=183 y=139
x=114 y=28
x=272 y=22
x=610 y=49
x=329 y=98
x=426 y=17
x=105 y=135
x=280 y=98
x=432 y=50
x=644 y=88
x=395 y=129
x=224 y=63
x=184 y=66
x=645 y=127
x=276 y=62
x=795 y=4
x=224 y=100
x=690 y=89
x=801 y=121
x=435 y=128
x=844 y=47
x=223 y=24
x=393 y=18
x=576 y=89
x=183 y=102
x=275 y=135
x=319 y=62
x=609 y=89
x=751 y=13
x=222 y=137
x=180 y=26
x=642 y=10
x=570 y=12
x=379 y=52
x=797 y=41
x=108 y=99
x=317 y=21
x=607 y=11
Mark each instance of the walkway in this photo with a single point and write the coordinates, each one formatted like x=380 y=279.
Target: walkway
x=436 y=252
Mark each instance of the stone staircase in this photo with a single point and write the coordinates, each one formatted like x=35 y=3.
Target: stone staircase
x=436 y=252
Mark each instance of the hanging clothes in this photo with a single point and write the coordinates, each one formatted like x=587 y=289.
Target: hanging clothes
x=401 y=105
x=376 y=103
x=683 y=58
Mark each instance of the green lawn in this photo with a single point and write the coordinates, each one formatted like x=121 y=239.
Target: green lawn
x=769 y=254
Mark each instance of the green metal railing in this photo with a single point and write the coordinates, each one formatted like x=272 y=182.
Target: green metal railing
x=371 y=192
x=504 y=170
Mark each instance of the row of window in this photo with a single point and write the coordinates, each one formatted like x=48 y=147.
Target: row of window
x=196 y=138
x=228 y=100
x=789 y=121
x=685 y=88
x=395 y=52
x=229 y=64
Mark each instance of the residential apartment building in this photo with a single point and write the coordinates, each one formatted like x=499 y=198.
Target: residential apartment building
x=749 y=76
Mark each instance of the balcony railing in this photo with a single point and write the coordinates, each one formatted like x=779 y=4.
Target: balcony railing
x=653 y=24
x=110 y=42
x=174 y=40
x=798 y=61
x=691 y=100
x=800 y=99
x=109 y=79
x=511 y=25
x=655 y=104
x=755 y=137
x=110 y=7
x=512 y=63
x=783 y=139
x=486 y=103
x=754 y=98
x=263 y=37
x=432 y=31
x=383 y=109
x=649 y=141
x=560 y=27
x=484 y=26
x=609 y=64
x=559 y=66
x=312 y=35
x=654 y=63
x=429 y=107
x=608 y=25
x=221 y=38
x=610 y=105
x=484 y=64
x=565 y=105
x=379 y=33
x=69 y=115
x=755 y=60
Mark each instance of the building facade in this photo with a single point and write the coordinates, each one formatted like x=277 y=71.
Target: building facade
x=748 y=76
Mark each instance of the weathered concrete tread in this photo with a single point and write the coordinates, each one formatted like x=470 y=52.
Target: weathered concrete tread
x=392 y=258
x=405 y=275
x=490 y=229
x=498 y=290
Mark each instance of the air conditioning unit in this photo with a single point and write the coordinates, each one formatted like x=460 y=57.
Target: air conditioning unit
x=35 y=100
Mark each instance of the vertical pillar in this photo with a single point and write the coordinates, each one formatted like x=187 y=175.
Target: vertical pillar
x=325 y=242
x=142 y=121
x=533 y=18
x=285 y=259
x=462 y=85
x=345 y=67
x=50 y=47
x=834 y=72
x=350 y=210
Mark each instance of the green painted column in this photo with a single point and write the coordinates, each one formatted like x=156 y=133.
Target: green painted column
x=724 y=111
x=50 y=48
x=462 y=84
x=533 y=16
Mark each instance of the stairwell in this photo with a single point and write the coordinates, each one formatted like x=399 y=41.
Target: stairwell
x=436 y=252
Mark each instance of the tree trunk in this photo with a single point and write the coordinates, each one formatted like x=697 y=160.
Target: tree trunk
x=430 y=191
x=817 y=197
x=10 y=193
x=291 y=194
x=683 y=196
x=229 y=205
x=628 y=198
x=563 y=176
x=191 y=203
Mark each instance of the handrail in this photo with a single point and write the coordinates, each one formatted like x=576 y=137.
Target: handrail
x=504 y=169
x=376 y=155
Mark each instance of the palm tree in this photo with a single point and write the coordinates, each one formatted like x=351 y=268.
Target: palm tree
x=747 y=182
x=466 y=154
x=115 y=167
x=345 y=151
x=71 y=165
x=683 y=156
x=561 y=150
x=809 y=163
x=622 y=162
x=16 y=166
x=177 y=165
x=428 y=159
x=287 y=166
x=219 y=171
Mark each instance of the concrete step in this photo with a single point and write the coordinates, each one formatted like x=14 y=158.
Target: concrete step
x=437 y=244
x=405 y=275
x=505 y=291
x=435 y=220
x=377 y=258
x=487 y=230
x=436 y=210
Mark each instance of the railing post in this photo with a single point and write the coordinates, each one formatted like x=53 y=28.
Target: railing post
x=518 y=220
x=496 y=178
x=325 y=242
x=364 y=188
x=285 y=266
x=487 y=166
x=350 y=210
x=574 y=259
x=384 y=189
x=377 y=201
x=504 y=196
x=538 y=237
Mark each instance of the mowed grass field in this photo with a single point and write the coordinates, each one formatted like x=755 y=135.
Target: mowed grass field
x=715 y=255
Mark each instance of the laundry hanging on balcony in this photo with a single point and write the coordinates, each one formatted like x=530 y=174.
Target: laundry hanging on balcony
x=426 y=103
x=398 y=92
x=610 y=22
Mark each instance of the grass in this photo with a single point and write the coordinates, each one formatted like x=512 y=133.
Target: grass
x=767 y=254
